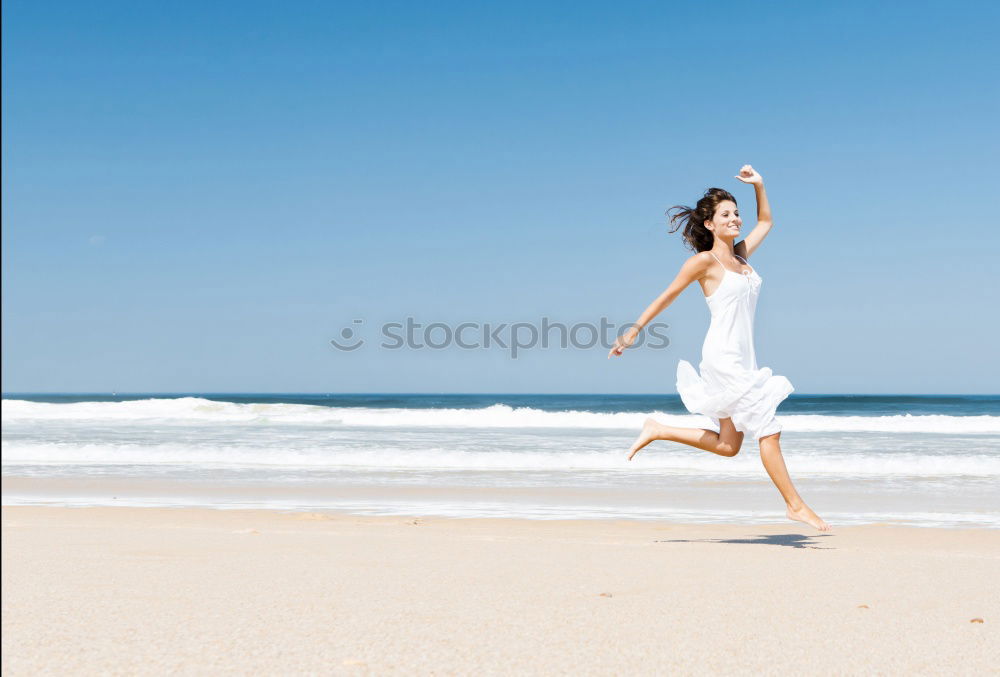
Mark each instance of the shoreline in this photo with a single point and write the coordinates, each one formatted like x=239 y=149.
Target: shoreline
x=684 y=500
x=335 y=513
x=153 y=590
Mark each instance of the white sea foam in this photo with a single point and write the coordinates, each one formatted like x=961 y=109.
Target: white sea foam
x=513 y=510
x=431 y=459
x=185 y=410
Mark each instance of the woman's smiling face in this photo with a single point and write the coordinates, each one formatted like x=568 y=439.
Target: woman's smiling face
x=726 y=222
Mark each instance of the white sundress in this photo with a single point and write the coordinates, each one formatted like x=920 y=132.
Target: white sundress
x=730 y=384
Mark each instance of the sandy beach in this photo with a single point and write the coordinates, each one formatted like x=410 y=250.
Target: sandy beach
x=196 y=591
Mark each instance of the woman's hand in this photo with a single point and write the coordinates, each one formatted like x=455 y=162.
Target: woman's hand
x=749 y=175
x=624 y=341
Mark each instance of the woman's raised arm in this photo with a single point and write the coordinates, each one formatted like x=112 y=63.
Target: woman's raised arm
x=749 y=175
x=693 y=269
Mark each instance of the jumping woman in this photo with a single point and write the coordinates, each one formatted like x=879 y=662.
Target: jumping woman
x=739 y=397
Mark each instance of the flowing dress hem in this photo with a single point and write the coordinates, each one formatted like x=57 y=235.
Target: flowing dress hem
x=751 y=403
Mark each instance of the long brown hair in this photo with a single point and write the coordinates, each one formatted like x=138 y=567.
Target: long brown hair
x=696 y=235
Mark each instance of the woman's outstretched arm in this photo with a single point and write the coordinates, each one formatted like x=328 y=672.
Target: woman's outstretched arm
x=693 y=269
x=749 y=175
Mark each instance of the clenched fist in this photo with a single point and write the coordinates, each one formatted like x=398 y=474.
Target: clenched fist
x=749 y=175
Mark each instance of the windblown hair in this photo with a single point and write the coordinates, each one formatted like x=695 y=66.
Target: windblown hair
x=696 y=235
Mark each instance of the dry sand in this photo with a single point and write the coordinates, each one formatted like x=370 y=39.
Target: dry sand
x=192 y=591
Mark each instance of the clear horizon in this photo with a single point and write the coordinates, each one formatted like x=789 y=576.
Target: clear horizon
x=617 y=394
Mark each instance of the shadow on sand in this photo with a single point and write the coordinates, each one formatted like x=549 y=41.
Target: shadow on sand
x=786 y=540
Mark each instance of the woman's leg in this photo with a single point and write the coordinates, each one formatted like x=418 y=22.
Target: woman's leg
x=774 y=463
x=726 y=442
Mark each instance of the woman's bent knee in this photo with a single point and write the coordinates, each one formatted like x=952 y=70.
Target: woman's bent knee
x=730 y=439
x=731 y=449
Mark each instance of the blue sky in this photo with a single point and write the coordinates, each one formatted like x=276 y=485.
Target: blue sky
x=197 y=197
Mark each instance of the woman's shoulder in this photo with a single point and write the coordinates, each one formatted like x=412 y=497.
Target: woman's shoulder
x=699 y=262
x=702 y=258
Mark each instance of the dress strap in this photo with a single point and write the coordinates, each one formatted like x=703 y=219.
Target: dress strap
x=737 y=256
x=743 y=260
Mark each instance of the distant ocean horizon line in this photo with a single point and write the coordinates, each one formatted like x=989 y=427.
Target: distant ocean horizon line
x=105 y=393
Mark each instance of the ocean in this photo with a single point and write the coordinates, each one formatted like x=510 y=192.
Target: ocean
x=918 y=460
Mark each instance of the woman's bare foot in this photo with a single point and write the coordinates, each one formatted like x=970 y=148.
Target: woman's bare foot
x=648 y=434
x=805 y=514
